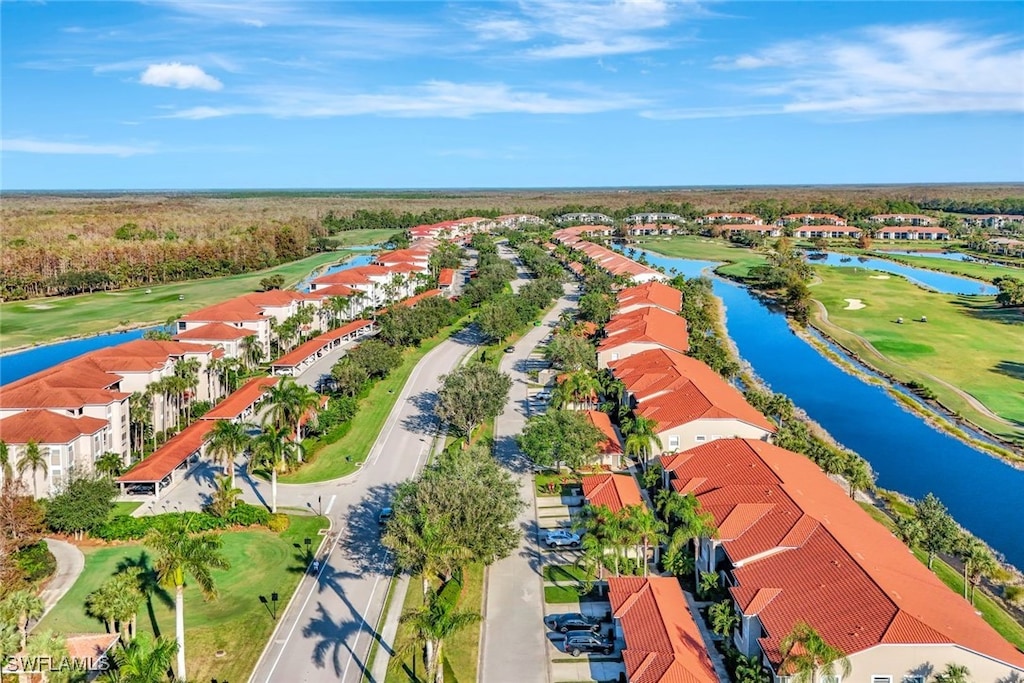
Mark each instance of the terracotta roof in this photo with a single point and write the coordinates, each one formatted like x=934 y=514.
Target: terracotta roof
x=238 y=309
x=614 y=491
x=89 y=646
x=69 y=385
x=652 y=294
x=612 y=444
x=748 y=227
x=413 y=300
x=651 y=325
x=663 y=643
x=45 y=427
x=674 y=389
x=217 y=331
x=307 y=349
x=332 y=290
x=239 y=401
x=446 y=277
x=170 y=455
x=359 y=274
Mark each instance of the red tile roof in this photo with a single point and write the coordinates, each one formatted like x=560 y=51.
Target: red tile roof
x=242 y=399
x=89 y=646
x=216 y=331
x=663 y=643
x=612 y=444
x=170 y=455
x=45 y=427
x=413 y=300
x=614 y=491
x=332 y=290
x=652 y=294
x=650 y=325
x=302 y=352
x=446 y=277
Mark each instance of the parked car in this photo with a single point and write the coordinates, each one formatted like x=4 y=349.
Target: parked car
x=543 y=395
x=385 y=515
x=573 y=621
x=139 y=489
x=584 y=641
x=510 y=349
x=560 y=538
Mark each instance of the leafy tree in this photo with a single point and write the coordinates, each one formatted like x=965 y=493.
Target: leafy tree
x=109 y=465
x=274 y=451
x=595 y=307
x=570 y=353
x=560 y=437
x=909 y=530
x=180 y=552
x=723 y=618
x=33 y=459
x=805 y=653
x=143 y=660
x=21 y=525
x=1011 y=291
x=500 y=319
x=434 y=623
x=224 y=442
x=83 y=504
x=349 y=377
x=377 y=357
x=271 y=282
x=472 y=394
x=940 y=531
x=750 y=670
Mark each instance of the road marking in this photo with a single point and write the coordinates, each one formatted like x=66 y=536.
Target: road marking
x=330 y=504
x=355 y=643
x=323 y=566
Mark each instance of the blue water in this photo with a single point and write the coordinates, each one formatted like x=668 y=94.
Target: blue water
x=907 y=455
x=14 y=366
x=336 y=268
x=946 y=255
x=940 y=282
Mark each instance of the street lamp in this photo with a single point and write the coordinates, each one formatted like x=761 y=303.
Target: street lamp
x=309 y=550
x=271 y=606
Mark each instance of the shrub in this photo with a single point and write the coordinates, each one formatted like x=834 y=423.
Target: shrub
x=1014 y=594
x=124 y=528
x=244 y=514
x=278 y=522
x=36 y=562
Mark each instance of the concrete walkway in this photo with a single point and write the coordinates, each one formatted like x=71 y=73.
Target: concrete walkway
x=70 y=563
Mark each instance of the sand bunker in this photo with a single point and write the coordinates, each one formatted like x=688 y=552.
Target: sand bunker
x=39 y=307
x=853 y=304
x=879 y=277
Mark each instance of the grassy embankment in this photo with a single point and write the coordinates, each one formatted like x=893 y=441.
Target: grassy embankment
x=38 y=321
x=236 y=622
x=738 y=260
x=358 y=238
x=972 y=269
x=969 y=342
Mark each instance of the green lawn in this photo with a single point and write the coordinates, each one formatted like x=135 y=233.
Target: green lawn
x=739 y=260
x=344 y=455
x=124 y=508
x=38 y=321
x=566 y=573
x=360 y=238
x=461 y=652
x=236 y=622
x=968 y=341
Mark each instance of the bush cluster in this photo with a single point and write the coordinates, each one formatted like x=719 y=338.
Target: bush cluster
x=35 y=562
x=125 y=528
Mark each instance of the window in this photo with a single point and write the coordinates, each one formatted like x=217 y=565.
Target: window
x=882 y=679
x=615 y=356
x=700 y=438
x=673 y=442
x=913 y=679
x=55 y=456
x=829 y=679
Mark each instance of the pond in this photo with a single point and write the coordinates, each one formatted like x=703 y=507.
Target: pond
x=940 y=282
x=907 y=455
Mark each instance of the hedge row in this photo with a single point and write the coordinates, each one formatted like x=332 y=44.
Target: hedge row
x=125 y=528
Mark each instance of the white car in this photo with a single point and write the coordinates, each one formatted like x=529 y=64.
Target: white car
x=561 y=538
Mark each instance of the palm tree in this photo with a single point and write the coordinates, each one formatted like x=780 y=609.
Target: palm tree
x=144 y=660
x=252 y=351
x=288 y=402
x=978 y=562
x=644 y=433
x=723 y=618
x=131 y=584
x=224 y=442
x=225 y=496
x=646 y=529
x=25 y=606
x=33 y=459
x=109 y=464
x=10 y=638
x=52 y=645
x=750 y=670
x=181 y=552
x=338 y=306
x=423 y=548
x=102 y=604
x=273 y=450
x=954 y=673
x=434 y=623
x=858 y=475
x=686 y=520
x=581 y=387
x=805 y=653
x=5 y=462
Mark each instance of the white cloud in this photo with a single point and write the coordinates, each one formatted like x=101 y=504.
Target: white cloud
x=434 y=99
x=597 y=48
x=50 y=147
x=882 y=70
x=178 y=75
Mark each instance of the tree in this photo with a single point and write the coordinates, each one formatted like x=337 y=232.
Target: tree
x=33 y=459
x=6 y=472
x=24 y=605
x=180 y=553
x=500 y=319
x=560 y=437
x=288 y=403
x=640 y=432
x=646 y=529
x=21 y=525
x=349 y=377
x=470 y=395
x=109 y=465
x=909 y=530
x=377 y=357
x=858 y=474
x=750 y=670
x=686 y=521
x=570 y=353
x=83 y=504
x=224 y=442
x=224 y=497
x=252 y=351
x=102 y=604
x=954 y=673
x=434 y=623
x=595 y=307
x=1011 y=291
x=940 y=531
x=805 y=653
x=143 y=660
x=580 y=388
x=977 y=560
x=274 y=451
x=606 y=531
x=723 y=618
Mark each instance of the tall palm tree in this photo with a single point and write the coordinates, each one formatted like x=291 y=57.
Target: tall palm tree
x=25 y=606
x=6 y=472
x=274 y=451
x=805 y=653
x=288 y=403
x=143 y=660
x=954 y=673
x=224 y=442
x=644 y=431
x=130 y=583
x=102 y=604
x=339 y=307
x=647 y=530
x=252 y=351
x=181 y=552
x=434 y=623
x=686 y=521
x=977 y=560
x=33 y=459
x=188 y=371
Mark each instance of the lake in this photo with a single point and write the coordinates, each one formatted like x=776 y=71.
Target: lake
x=940 y=282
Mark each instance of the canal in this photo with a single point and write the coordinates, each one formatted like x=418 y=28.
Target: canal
x=906 y=454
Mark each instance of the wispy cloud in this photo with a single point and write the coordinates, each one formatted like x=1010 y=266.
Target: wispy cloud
x=883 y=70
x=178 y=75
x=30 y=146
x=437 y=99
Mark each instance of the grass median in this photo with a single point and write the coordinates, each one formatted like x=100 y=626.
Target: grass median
x=969 y=342
x=39 y=321
x=236 y=622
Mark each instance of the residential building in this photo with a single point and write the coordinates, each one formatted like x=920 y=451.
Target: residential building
x=613 y=491
x=516 y=220
x=900 y=233
x=732 y=218
x=609 y=449
x=914 y=219
x=757 y=229
x=656 y=294
x=222 y=335
x=585 y=218
x=654 y=217
x=67 y=443
x=993 y=220
x=827 y=231
x=813 y=219
x=642 y=329
x=641 y=229
x=1006 y=246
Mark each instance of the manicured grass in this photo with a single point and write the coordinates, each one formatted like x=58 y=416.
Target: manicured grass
x=461 y=653
x=969 y=341
x=739 y=260
x=360 y=238
x=261 y=562
x=979 y=271
x=38 y=321
x=566 y=573
x=347 y=453
x=542 y=480
x=124 y=508
x=561 y=595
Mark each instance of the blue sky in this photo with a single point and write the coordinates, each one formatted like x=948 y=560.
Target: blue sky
x=539 y=93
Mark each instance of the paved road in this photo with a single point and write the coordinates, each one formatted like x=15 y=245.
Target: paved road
x=327 y=632
x=514 y=647
x=70 y=563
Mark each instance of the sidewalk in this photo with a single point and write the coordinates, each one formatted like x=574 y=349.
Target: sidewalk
x=70 y=563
